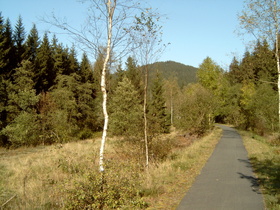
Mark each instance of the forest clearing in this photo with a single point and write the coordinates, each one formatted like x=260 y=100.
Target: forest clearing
x=66 y=176
x=123 y=130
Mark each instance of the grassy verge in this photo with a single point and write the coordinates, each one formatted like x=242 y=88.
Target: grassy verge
x=176 y=175
x=264 y=154
x=66 y=176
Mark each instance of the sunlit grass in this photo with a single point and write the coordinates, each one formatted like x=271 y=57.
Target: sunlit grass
x=264 y=155
x=41 y=177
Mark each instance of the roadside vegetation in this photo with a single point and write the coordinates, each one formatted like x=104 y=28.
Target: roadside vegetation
x=264 y=155
x=66 y=176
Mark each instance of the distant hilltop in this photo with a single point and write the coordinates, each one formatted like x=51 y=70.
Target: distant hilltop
x=185 y=74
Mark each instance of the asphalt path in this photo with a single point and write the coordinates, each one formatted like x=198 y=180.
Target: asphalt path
x=226 y=181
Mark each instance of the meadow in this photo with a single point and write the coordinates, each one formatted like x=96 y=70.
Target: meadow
x=66 y=176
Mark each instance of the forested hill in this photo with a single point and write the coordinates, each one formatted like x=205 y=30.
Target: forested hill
x=184 y=73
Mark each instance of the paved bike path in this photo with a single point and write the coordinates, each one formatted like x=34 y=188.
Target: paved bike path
x=226 y=181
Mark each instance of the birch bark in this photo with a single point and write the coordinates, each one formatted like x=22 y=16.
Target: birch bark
x=110 y=11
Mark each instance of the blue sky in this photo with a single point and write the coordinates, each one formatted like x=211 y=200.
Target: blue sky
x=195 y=28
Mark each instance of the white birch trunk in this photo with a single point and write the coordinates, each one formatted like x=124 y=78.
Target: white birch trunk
x=276 y=25
x=278 y=70
x=110 y=12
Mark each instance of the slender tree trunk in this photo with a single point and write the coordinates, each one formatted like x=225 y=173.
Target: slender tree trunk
x=145 y=116
x=110 y=12
x=276 y=25
x=171 y=106
x=278 y=70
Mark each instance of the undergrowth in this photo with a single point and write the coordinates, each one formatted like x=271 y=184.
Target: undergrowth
x=67 y=177
x=264 y=155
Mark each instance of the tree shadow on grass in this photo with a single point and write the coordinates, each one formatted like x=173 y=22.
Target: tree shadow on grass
x=268 y=172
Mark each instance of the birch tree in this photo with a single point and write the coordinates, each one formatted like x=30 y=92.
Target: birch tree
x=261 y=19
x=147 y=37
x=108 y=25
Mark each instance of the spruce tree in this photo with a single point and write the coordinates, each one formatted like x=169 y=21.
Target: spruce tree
x=21 y=91
x=247 y=68
x=45 y=73
x=86 y=71
x=23 y=120
x=2 y=44
x=234 y=74
x=265 y=69
x=133 y=73
x=126 y=111
x=32 y=44
x=159 y=120
x=7 y=64
x=73 y=62
x=19 y=37
x=61 y=60
x=7 y=51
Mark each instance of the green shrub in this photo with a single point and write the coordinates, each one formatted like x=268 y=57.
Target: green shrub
x=23 y=130
x=85 y=134
x=109 y=191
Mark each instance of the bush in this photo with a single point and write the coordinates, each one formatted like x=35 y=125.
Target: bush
x=111 y=190
x=160 y=149
x=85 y=134
x=23 y=130
x=197 y=110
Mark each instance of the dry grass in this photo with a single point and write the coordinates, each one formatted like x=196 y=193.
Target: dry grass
x=38 y=176
x=264 y=154
x=35 y=173
x=176 y=175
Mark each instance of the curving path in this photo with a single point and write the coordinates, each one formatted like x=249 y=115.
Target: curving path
x=226 y=181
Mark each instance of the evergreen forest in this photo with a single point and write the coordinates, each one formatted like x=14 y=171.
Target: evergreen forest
x=48 y=96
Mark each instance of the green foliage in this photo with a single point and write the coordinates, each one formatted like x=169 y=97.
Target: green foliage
x=209 y=74
x=22 y=96
x=86 y=71
x=23 y=130
x=265 y=101
x=22 y=99
x=134 y=74
x=126 y=111
x=45 y=73
x=106 y=191
x=67 y=110
x=19 y=37
x=31 y=69
x=159 y=121
x=197 y=110
x=252 y=102
x=32 y=44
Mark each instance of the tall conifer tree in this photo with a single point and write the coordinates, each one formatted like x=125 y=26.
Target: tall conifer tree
x=22 y=99
x=32 y=44
x=159 y=121
x=126 y=117
x=19 y=37
x=7 y=50
x=73 y=62
x=86 y=72
x=45 y=73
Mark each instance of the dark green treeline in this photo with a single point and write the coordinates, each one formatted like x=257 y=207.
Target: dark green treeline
x=48 y=96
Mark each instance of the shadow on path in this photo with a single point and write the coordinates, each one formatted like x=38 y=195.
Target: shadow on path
x=226 y=181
